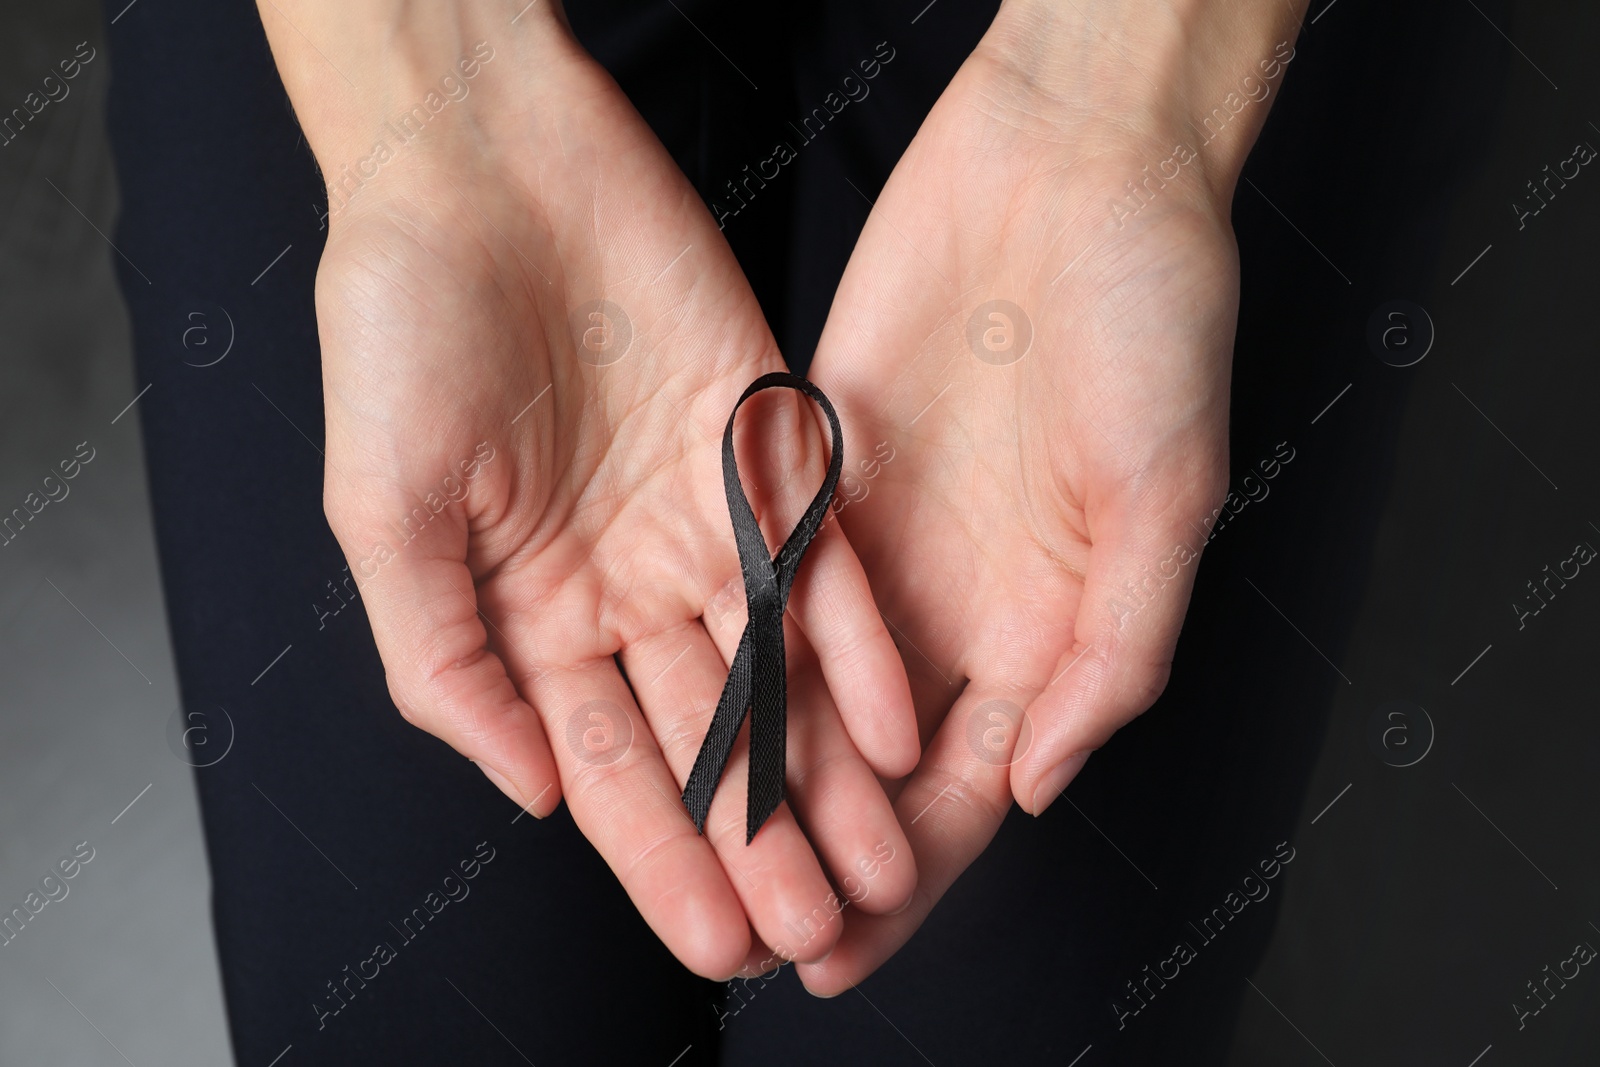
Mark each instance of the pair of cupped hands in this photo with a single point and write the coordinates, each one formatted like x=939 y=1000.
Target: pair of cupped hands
x=979 y=612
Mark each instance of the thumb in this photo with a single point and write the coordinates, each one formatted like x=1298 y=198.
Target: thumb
x=1136 y=590
x=409 y=564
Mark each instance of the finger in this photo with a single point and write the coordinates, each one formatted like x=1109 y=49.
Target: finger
x=831 y=599
x=841 y=805
x=761 y=959
x=441 y=673
x=623 y=799
x=834 y=607
x=762 y=962
x=626 y=803
x=843 y=808
x=678 y=675
x=1136 y=591
x=951 y=808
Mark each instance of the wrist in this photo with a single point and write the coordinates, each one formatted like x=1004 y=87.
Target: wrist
x=382 y=87
x=1190 y=81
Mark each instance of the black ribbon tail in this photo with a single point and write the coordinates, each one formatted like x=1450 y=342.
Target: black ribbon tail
x=757 y=683
x=720 y=736
x=769 y=730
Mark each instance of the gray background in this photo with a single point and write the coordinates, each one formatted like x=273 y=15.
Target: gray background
x=125 y=960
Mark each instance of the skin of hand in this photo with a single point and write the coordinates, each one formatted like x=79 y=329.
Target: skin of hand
x=528 y=485
x=1056 y=461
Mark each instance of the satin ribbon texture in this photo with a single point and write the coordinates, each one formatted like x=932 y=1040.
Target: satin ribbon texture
x=757 y=683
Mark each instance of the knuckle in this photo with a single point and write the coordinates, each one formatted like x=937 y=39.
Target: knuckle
x=1146 y=688
x=814 y=775
x=680 y=740
x=651 y=853
x=403 y=700
x=969 y=802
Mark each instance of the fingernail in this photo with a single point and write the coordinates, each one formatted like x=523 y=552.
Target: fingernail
x=505 y=786
x=1055 y=782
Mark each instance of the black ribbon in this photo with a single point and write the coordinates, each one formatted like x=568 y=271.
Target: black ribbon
x=757 y=682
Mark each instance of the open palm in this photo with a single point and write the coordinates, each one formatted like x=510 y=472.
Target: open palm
x=1052 y=387
x=532 y=338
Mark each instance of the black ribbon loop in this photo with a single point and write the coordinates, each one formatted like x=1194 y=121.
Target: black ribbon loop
x=757 y=682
